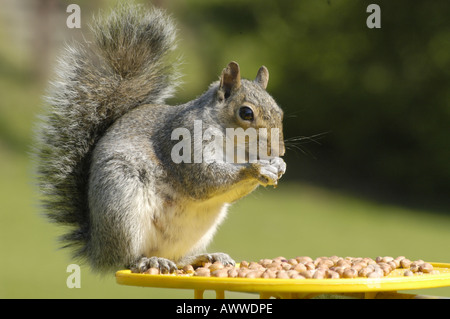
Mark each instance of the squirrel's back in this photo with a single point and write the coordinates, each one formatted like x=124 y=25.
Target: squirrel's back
x=125 y=66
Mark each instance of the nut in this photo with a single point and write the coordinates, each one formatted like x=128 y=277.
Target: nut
x=280 y=259
x=202 y=272
x=269 y=274
x=188 y=269
x=350 y=273
x=364 y=272
x=282 y=274
x=215 y=266
x=332 y=275
x=340 y=271
x=254 y=265
x=426 y=268
x=386 y=269
x=414 y=267
x=265 y=262
x=222 y=273
x=327 y=263
x=405 y=263
x=286 y=266
x=304 y=259
x=387 y=259
x=243 y=272
x=310 y=266
x=253 y=274
x=300 y=267
x=292 y=261
x=392 y=264
x=304 y=267
x=374 y=274
x=232 y=272
x=152 y=271
x=307 y=273
x=319 y=274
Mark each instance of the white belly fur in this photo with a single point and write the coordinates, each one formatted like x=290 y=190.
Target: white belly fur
x=186 y=228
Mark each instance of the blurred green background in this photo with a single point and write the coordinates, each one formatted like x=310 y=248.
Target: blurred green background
x=368 y=175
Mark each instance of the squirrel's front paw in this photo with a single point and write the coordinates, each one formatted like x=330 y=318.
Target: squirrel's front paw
x=270 y=171
x=164 y=265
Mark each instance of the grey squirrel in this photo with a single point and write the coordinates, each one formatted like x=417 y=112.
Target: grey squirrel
x=104 y=148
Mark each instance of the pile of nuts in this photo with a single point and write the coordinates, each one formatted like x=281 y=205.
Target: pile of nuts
x=305 y=267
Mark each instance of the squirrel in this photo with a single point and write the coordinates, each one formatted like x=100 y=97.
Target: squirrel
x=104 y=148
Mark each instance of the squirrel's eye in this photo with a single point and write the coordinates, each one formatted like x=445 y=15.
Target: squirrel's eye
x=246 y=113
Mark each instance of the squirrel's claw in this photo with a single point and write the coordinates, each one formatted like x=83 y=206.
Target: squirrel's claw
x=164 y=265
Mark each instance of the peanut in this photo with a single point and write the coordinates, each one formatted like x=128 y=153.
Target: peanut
x=310 y=266
x=296 y=276
x=282 y=274
x=300 y=267
x=286 y=266
x=215 y=266
x=202 y=272
x=350 y=273
x=414 y=267
x=280 y=259
x=408 y=273
x=319 y=274
x=222 y=272
x=269 y=274
x=265 y=262
x=374 y=274
x=152 y=271
x=253 y=265
x=243 y=272
x=405 y=263
x=188 y=269
x=307 y=273
x=426 y=268
x=232 y=272
x=387 y=259
x=304 y=259
x=333 y=275
x=364 y=272
x=253 y=274
x=304 y=267
x=292 y=262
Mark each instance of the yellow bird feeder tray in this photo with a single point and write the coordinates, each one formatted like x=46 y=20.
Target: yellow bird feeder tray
x=385 y=287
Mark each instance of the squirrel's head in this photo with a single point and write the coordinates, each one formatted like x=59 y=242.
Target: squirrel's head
x=246 y=104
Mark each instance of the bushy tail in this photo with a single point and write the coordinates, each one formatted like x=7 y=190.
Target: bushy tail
x=125 y=66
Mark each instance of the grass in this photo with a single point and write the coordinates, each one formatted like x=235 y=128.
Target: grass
x=294 y=219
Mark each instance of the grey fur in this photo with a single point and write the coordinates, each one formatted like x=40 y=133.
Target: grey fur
x=91 y=91
x=104 y=149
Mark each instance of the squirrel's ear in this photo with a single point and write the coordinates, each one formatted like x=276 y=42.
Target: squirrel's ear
x=230 y=79
x=262 y=78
